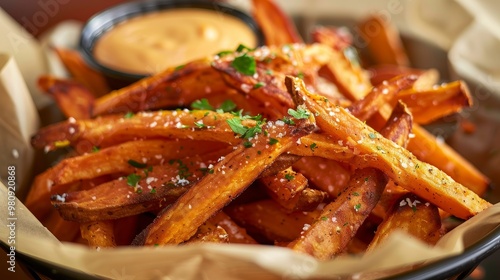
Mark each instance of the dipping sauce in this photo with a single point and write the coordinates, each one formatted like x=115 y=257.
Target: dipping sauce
x=151 y=43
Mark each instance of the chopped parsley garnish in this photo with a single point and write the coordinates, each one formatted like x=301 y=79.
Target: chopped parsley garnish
x=202 y=104
x=133 y=179
x=273 y=141
x=227 y=106
x=289 y=177
x=269 y=72
x=179 y=67
x=245 y=64
x=301 y=113
x=128 y=115
x=200 y=124
x=245 y=131
x=242 y=47
x=152 y=191
x=236 y=126
x=247 y=144
x=224 y=53
x=259 y=85
x=300 y=75
x=372 y=135
x=182 y=170
x=313 y=146
x=147 y=170
x=95 y=149
x=136 y=164
x=357 y=207
x=288 y=121
x=355 y=194
x=324 y=218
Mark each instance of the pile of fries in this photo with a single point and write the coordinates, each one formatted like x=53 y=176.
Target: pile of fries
x=290 y=144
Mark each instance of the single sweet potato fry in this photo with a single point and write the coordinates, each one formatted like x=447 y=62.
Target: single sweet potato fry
x=171 y=88
x=235 y=233
x=307 y=200
x=209 y=232
x=284 y=185
x=277 y=28
x=429 y=105
x=412 y=215
x=382 y=41
x=81 y=72
x=72 y=98
x=384 y=93
x=351 y=80
x=340 y=219
x=267 y=219
x=99 y=234
x=324 y=174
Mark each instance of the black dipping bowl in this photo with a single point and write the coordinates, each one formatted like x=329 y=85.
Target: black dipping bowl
x=104 y=21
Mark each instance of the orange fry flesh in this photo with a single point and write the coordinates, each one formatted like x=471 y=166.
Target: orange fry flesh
x=81 y=72
x=269 y=220
x=399 y=164
x=277 y=28
x=339 y=220
x=383 y=41
x=232 y=175
x=73 y=99
x=429 y=105
x=285 y=185
x=99 y=234
x=412 y=215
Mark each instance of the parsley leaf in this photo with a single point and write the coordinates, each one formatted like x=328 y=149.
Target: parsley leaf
x=273 y=141
x=313 y=146
x=289 y=177
x=224 y=53
x=236 y=126
x=202 y=104
x=357 y=207
x=136 y=164
x=200 y=124
x=247 y=144
x=133 y=179
x=259 y=85
x=128 y=115
x=288 y=121
x=301 y=113
x=242 y=47
x=245 y=64
x=227 y=106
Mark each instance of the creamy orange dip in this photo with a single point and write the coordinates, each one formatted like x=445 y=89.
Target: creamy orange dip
x=151 y=43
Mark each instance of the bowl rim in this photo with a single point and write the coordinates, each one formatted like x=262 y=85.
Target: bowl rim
x=105 y=20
